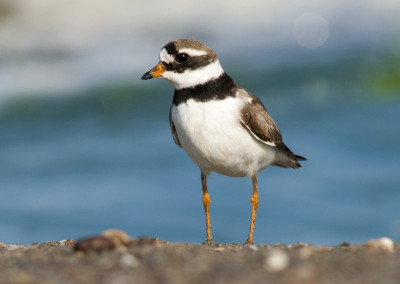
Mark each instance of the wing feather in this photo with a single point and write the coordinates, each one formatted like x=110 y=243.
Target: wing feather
x=255 y=118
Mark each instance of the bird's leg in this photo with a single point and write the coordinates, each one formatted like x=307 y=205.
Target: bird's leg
x=206 y=203
x=254 y=203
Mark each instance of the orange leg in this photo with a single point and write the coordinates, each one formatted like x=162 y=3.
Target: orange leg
x=254 y=202
x=206 y=203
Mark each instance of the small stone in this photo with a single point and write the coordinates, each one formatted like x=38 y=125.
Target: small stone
x=251 y=247
x=15 y=247
x=118 y=237
x=219 y=248
x=383 y=245
x=2 y=245
x=98 y=243
x=276 y=260
x=68 y=242
x=129 y=261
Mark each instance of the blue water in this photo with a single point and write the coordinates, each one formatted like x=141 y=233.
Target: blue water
x=75 y=164
x=86 y=146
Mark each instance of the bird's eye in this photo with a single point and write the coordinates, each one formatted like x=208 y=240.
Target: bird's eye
x=181 y=57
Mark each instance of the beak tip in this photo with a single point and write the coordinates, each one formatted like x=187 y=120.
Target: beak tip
x=147 y=76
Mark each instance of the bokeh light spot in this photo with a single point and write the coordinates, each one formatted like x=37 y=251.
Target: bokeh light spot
x=311 y=30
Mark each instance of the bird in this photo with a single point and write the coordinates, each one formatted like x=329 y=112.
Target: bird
x=222 y=127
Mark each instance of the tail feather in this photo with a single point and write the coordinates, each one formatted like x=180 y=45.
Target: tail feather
x=286 y=159
x=300 y=158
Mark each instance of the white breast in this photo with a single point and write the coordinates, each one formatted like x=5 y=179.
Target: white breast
x=213 y=137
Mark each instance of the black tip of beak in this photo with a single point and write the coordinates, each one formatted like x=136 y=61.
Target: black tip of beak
x=147 y=76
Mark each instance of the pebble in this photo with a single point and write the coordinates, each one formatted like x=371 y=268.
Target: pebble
x=67 y=242
x=15 y=247
x=118 y=237
x=251 y=247
x=129 y=261
x=383 y=245
x=219 y=248
x=109 y=240
x=98 y=243
x=276 y=260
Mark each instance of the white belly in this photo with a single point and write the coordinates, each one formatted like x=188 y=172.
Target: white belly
x=213 y=137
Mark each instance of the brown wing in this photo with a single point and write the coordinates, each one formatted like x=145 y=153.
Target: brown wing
x=260 y=124
x=256 y=119
x=173 y=130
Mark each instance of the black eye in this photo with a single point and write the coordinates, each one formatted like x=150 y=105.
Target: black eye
x=181 y=57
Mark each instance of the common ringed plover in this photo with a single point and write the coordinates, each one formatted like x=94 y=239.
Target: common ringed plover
x=222 y=127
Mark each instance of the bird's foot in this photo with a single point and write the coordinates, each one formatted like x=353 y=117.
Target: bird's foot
x=209 y=242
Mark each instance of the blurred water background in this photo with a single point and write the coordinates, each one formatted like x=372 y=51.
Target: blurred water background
x=86 y=146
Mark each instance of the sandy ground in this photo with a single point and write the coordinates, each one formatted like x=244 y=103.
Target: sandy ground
x=116 y=258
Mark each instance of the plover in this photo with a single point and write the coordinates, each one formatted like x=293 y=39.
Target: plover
x=222 y=127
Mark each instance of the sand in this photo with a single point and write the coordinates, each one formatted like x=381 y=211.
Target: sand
x=118 y=258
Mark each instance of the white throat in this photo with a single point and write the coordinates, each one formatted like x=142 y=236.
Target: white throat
x=191 y=78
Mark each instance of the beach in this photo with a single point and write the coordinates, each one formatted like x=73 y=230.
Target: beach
x=150 y=260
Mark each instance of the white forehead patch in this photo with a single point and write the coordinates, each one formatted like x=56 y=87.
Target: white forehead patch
x=193 y=52
x=164 y=56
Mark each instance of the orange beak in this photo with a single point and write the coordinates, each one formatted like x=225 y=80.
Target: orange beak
x=155 y=72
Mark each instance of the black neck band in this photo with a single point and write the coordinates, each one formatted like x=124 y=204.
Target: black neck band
x=217 y=89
